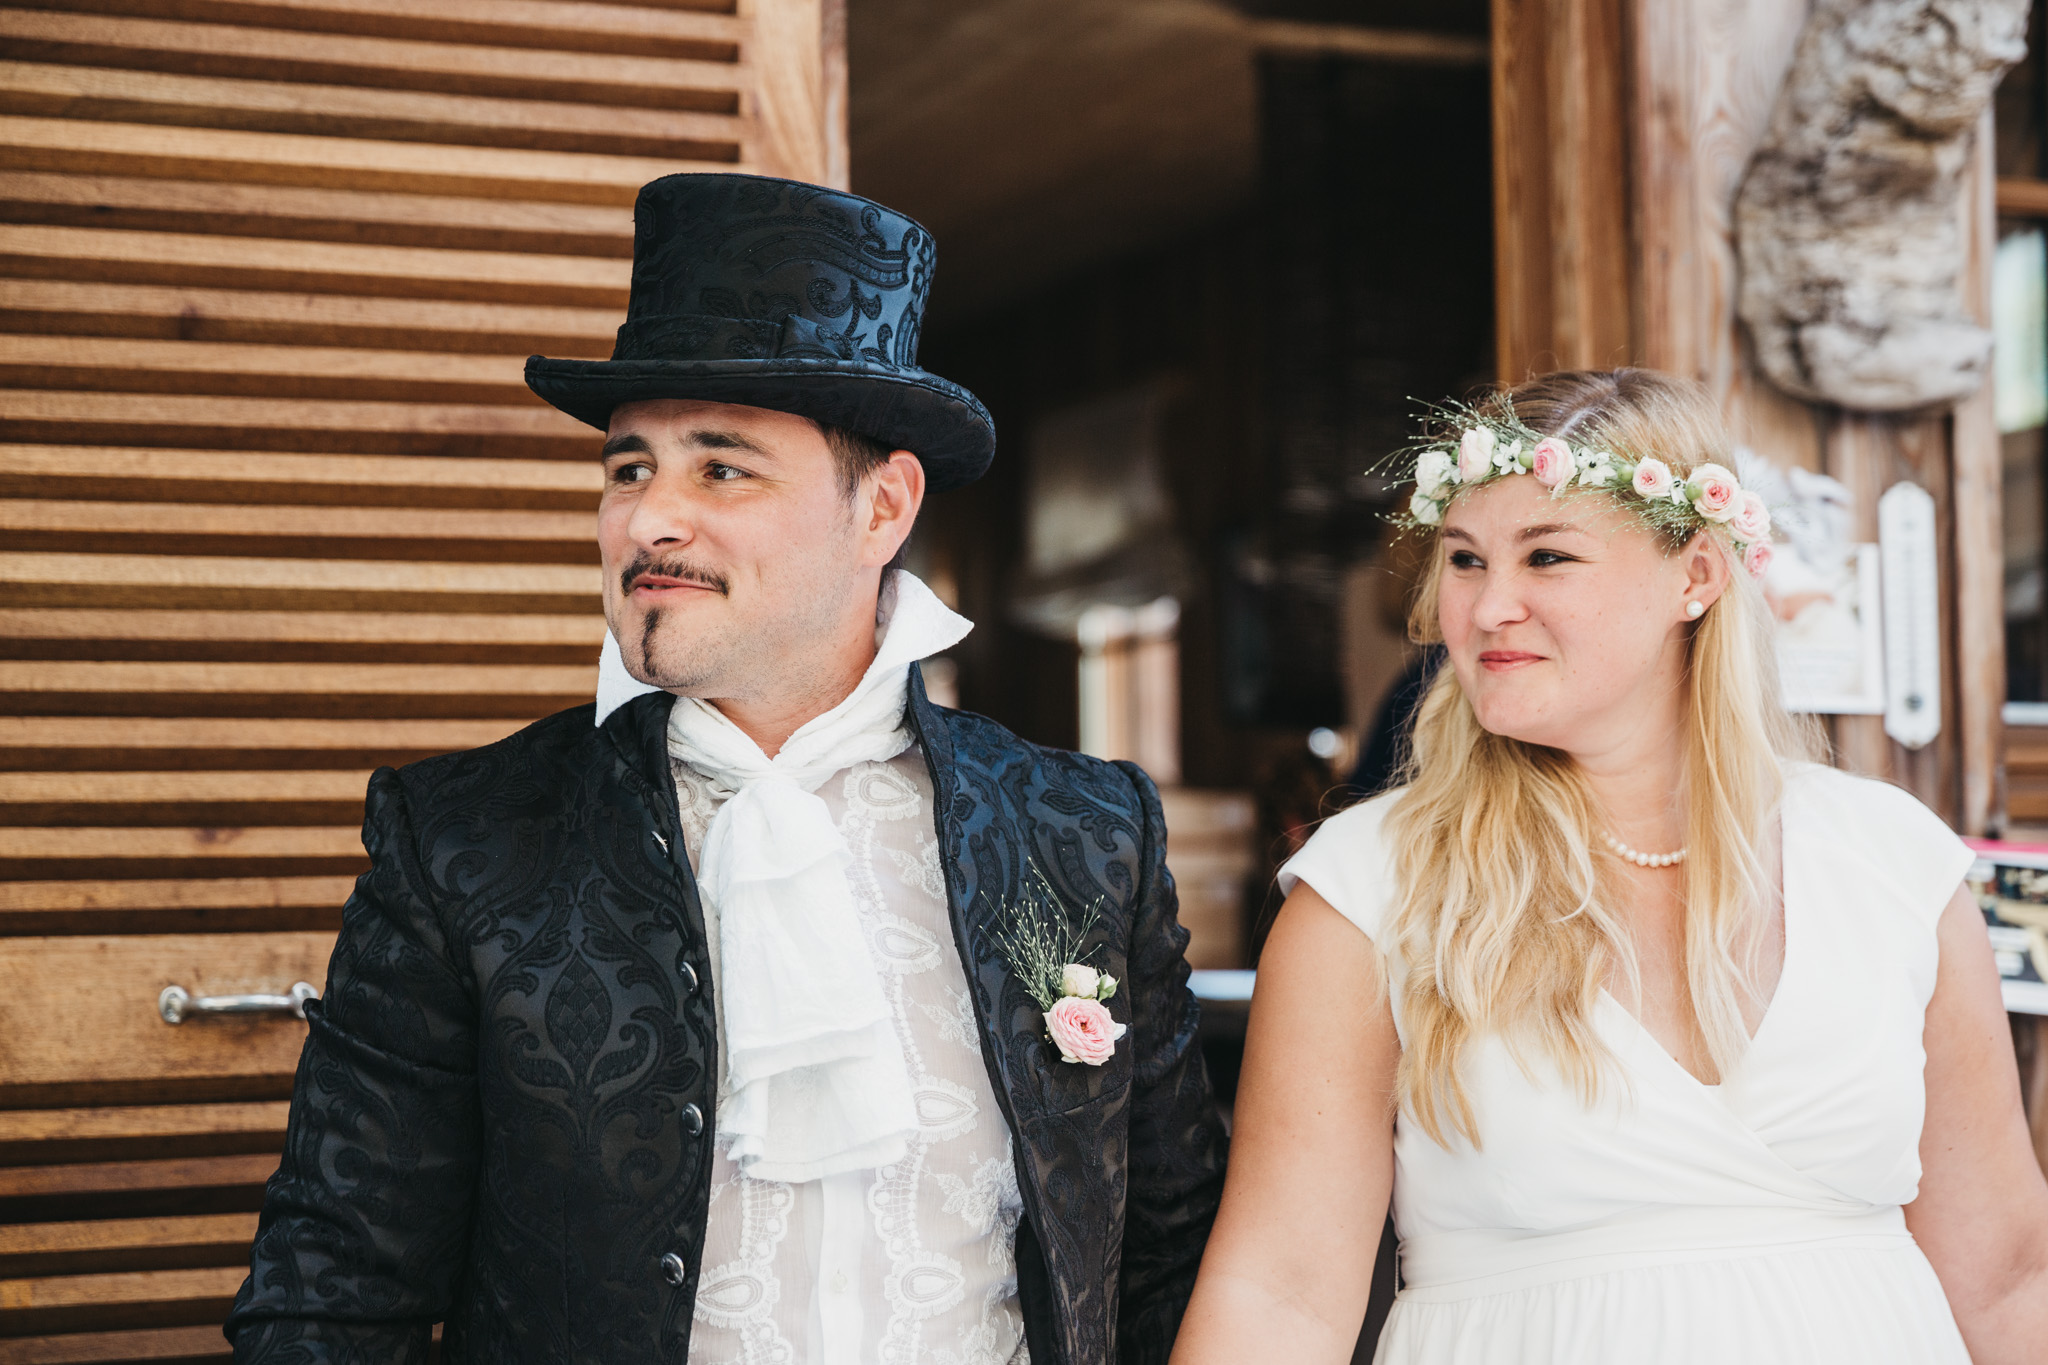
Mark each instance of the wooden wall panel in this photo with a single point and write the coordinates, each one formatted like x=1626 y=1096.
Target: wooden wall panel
x=276 y=508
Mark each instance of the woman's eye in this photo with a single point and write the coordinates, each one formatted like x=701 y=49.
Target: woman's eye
x=1464 y=559
x=1543 y=559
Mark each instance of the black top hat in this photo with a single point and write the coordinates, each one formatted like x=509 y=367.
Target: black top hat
x=780 y=295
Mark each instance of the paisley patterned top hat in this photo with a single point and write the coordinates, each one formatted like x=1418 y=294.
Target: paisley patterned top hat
x=780 y=295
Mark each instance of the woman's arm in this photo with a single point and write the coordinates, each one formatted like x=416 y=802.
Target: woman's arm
x=1982 y=1212
x=1289 y=1265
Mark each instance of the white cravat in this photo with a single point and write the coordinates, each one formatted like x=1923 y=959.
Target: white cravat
x=817 y=1074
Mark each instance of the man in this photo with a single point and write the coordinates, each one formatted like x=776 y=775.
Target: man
x=720 y=1027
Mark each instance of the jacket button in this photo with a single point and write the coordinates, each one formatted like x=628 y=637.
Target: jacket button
x=689 y=974
x=673 y=1270
x=693 y=1120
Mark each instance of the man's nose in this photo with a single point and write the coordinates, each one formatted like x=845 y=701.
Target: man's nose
x=663 y=516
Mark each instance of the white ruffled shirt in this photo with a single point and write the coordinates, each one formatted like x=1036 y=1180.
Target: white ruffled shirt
x=911 y=1263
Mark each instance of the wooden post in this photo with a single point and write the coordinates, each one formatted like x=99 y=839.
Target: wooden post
x=1979 y=536
x=1561 y=210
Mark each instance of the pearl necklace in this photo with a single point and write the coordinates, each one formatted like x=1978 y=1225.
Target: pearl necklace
x=1644 y=859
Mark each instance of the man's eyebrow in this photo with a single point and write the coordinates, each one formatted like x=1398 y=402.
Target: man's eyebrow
x=726 y=440
x=629 y=444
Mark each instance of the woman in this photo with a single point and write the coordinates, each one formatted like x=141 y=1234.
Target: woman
x=1669 y=1044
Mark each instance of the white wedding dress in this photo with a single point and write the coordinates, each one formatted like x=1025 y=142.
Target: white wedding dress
x=1676 y=1223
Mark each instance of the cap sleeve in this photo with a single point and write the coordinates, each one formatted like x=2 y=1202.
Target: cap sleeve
x=1919 y=859
x=1347 y=863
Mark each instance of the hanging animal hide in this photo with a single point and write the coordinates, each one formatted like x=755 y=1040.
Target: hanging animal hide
x=1848 y=223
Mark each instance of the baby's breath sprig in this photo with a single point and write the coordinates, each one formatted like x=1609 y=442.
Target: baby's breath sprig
x=1039 y=939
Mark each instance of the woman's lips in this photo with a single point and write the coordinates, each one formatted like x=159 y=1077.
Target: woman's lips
x=1505 y=660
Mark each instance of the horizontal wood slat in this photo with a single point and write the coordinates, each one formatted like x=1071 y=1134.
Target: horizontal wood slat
x=71 y=1303
x=276 y=478
x=170 y=906
x=318 y=267
x=53 y=362
x=34 y=144
x=77 y=742
x=488 y=70
x=311 y=532
x=276 y=508
x=293 y=424
x=41 y=90
x=73 y=308
x=703 y=32
x=284 y=211
x=147 y=1346
x=36 y=1250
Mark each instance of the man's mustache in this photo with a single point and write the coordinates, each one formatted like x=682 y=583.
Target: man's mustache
x=677 y=568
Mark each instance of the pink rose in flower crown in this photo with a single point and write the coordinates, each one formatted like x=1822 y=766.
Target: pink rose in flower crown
x=1475 y=454
x=1653 y=478
x=1551 y=462
x=1752 y=520
x=1714 y=492
x=1757 y=559
x=1082 y=1030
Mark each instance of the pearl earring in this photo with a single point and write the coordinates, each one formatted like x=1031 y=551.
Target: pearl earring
x=1695 y=609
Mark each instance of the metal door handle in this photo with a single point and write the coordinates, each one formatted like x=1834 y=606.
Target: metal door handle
x=176 y=1003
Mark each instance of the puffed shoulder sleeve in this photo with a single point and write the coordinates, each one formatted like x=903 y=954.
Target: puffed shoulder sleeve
x=1348 y=863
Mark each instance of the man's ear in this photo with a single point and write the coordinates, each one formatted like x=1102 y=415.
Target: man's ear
x=894 y=491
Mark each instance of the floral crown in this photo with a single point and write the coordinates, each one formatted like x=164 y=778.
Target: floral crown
x=1491 y=447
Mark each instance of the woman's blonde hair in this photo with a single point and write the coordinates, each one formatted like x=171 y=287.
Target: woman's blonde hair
x=1504 y=920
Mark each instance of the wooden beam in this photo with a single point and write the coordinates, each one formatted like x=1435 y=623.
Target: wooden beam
x=1978 y=471
x=1561 y=186
x=1414 y=47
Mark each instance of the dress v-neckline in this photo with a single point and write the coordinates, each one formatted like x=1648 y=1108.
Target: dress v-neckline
x=1771 y=1009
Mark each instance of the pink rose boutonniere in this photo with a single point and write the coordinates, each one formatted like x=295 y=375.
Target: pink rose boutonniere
x=1042 y=946
x=1080 y=1026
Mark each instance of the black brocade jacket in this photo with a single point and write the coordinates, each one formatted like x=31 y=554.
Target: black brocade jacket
x=503 y=1115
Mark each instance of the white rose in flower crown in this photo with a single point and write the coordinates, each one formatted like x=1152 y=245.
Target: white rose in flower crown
x=1715 y=492
x=1653 y=478
x=1424 y=509
x=1752 y=519
x=1475 y=454
x=1435 y=469
x=1076 y=979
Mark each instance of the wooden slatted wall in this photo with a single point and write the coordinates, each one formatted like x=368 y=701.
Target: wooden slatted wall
x=276 y=508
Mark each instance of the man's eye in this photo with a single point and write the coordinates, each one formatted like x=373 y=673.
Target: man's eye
x=723 y=473
x=632 y=473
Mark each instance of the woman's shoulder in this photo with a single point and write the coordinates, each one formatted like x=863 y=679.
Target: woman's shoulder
x=1349 y=862
x=1875 y=832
